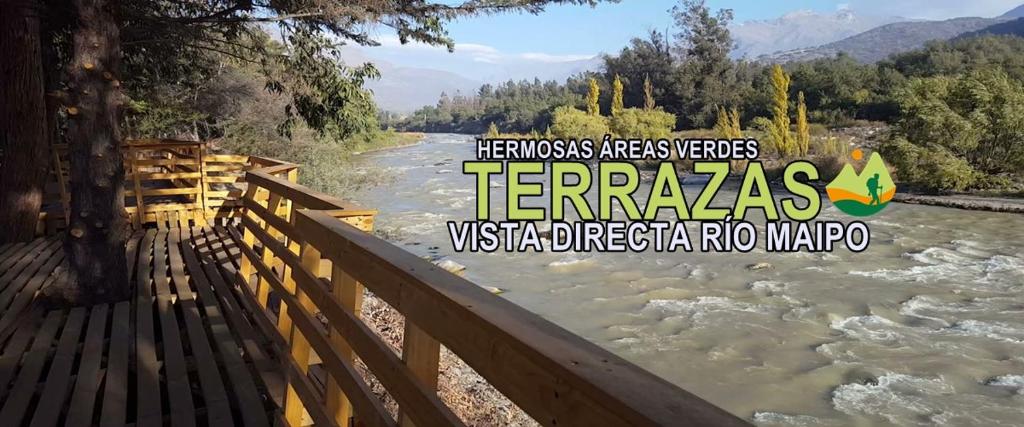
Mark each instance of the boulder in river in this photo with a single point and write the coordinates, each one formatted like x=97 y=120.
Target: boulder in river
x=760 y=266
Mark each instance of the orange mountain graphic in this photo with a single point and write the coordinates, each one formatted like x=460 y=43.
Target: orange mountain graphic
x=836 y=194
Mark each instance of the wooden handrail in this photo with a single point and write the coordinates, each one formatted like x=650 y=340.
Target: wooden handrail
x=555 y=376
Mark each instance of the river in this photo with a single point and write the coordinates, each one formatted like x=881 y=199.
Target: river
x=926 y=327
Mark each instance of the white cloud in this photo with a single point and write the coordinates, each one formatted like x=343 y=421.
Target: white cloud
x=934 y=9
x=474 y=52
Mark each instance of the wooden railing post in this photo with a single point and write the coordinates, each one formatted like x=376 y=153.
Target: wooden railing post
x=349 y=295
x=140 y=207
x=422 y=354
x=245 y=267
x=293 y=408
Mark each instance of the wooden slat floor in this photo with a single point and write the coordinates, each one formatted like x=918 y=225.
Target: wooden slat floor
x=183 y=352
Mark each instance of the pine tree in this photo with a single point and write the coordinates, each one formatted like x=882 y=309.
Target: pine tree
x=803 y=132
x=779 y=131
x=648 y=93
x=593 y=95
x=617 y=96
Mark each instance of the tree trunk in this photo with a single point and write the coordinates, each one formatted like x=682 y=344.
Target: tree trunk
x=24 y=135
x=96 y=235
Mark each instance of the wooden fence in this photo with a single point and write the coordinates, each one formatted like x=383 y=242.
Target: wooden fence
x=168 y=183
x=307 y=259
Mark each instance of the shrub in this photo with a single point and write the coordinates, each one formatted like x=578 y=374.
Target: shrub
x=954 y=132
x=637 y=123
x=571 y=123
x=933 y=168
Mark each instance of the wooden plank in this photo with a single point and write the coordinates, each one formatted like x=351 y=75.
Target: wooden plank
x=218 y=407
x=419 y=402
x=243 y=386
x=24 y=386
x=179 y=392
x=552 y=374
x=301 y=195
x=178 y=271
x=167 y=162
x=17 y=298
x=169 y=191
x=130 y=251
x=166 y=175
x=140 y=206
x=224 y=179
x=224 y=167
x=83 y=399
x=115 y=389
x=31 y=278
x=229 y=246
x=58 y=380
x=10 y=250
x=148 y=403
x=15 y=349
x=161 y=281
x=28 y=263
x=20 y=252
x=233 y=158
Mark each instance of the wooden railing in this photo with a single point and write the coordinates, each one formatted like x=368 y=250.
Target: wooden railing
x=306 y=261
x=168 y=183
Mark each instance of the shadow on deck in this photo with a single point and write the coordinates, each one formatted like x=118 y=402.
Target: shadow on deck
x=182 y=352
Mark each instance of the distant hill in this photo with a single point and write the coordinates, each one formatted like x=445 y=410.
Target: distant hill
x=879 y=43
x=800 y=29
x=1014 y=27
x=1017 y=12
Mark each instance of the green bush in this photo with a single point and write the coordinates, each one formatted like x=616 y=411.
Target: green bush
x=933 y=168
x=957 y=132
x=571 y=123
x=637 y=123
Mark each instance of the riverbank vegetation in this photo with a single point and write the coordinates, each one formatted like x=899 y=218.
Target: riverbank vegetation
x=947 y=111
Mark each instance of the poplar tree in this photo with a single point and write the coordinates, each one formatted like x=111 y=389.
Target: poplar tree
x=779 y=130
x=803 y=131
x=593 y=96
x=617 y=96
x=648 y=93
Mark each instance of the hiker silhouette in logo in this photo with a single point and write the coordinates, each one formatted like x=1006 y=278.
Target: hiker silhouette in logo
x=874 y=188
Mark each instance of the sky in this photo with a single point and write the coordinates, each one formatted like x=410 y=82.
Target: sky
x=489 y=46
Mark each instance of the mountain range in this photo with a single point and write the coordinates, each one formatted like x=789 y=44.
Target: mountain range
x=879 y=43
x=800 y=29
x=795 y=36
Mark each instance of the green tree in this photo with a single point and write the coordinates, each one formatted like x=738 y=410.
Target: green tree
x=803 y=130
x=133 y=47
x=648 y=93
x=616 y=96
x=593 y=98
x=643 y=60
x=778 y=134
x=959 y=132
x=706 y=76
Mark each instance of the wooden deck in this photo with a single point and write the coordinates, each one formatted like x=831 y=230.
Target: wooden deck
x=183 y=352
x=260 y=322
